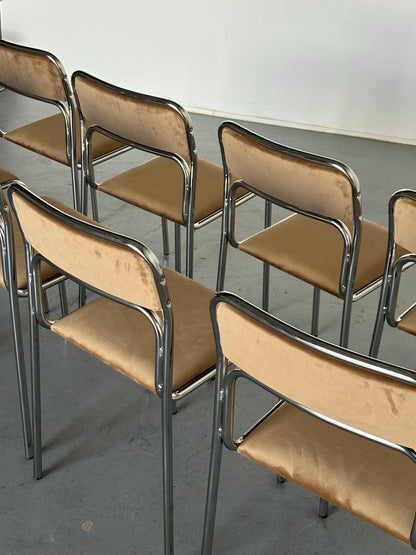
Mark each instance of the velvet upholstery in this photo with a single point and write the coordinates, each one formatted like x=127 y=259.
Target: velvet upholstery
x=312 y=250
x=301 y=183
x=47 y=137
x=124 y=338
x=34 y=73
x=143 y=121
x=378 y=405
x=158 y=186
x=112 y=268
x=405 y=223
x=371 y=481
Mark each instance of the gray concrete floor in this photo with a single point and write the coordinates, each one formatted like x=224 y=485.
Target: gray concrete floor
x=101 y=432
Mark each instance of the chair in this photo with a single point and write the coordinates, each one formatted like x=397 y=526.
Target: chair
x=13 y=278
x=400 y=255
x=150 y=323
x=342 y=426
x=174 y=184
x=40 y=75
x=325 y=242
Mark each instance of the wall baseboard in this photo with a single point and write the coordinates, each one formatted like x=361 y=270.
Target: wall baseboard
x=304 y=126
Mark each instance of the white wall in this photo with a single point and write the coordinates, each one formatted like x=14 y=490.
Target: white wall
x=344 y=66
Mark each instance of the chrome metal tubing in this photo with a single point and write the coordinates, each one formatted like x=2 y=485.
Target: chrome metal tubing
x=165 y=237
x=177 y=247
x=315 y=311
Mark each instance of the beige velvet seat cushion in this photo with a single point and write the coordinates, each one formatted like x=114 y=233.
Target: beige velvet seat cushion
x=369 y=480
x=47 y=137
x=157 y=186
x=312 y=250
x=124 y=338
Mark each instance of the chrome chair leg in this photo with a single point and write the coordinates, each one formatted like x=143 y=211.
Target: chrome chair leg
x=165 y=237
x=323 y=508
x=167 y=448
x=63 y=298
x=21 y=372
x=177 y=247
x=315 y=311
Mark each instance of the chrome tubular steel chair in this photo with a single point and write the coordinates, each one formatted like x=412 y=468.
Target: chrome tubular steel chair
x=342 y=427
x=130 y=325
x=40 y=75
x=401 y=254
x=325 y=243
x=13 y=277
x=175 y=184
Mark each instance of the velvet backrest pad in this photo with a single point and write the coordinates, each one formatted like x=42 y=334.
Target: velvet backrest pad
x=405 y=223
x=304 y=184
x=31 y=73
x=112 y=268
x=151 y=124
x=370 y=402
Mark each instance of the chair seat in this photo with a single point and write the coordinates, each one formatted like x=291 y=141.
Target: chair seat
x=47 y=137
x=311 y=250
x=157 y=186
x=124 y=338
x=340 y=467
x=408 y=322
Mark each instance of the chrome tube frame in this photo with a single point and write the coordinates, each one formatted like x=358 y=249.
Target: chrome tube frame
x=351 y=239
x=161 y=321
x=392 y=270
x=225 y=389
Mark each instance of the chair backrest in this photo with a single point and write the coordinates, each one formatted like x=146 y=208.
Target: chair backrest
x=153 y=123
x=33 y=72
x=403 y=219
x=304 y=181
x=348 y=389
x=114 y=264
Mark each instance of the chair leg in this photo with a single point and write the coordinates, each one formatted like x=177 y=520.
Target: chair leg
x=45 y=302
x=177 y=247
x=165 y=237
x=380 y=317
x=315 y=311
x=266 y=267
x=63 y=298
x=323 y=508
x=222 y=261
x=21 y=373
x=280 y=479
x=167 y=472
x=36 y=397
x=189 y=250
x=346 y=320
x=94 y=205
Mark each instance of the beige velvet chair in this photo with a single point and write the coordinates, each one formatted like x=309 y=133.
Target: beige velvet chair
x=175 y=184
x=324 y=242
x=148 y=322
x=400 y=255
x=343 y=426
x=13 y=278
x=40 y=75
